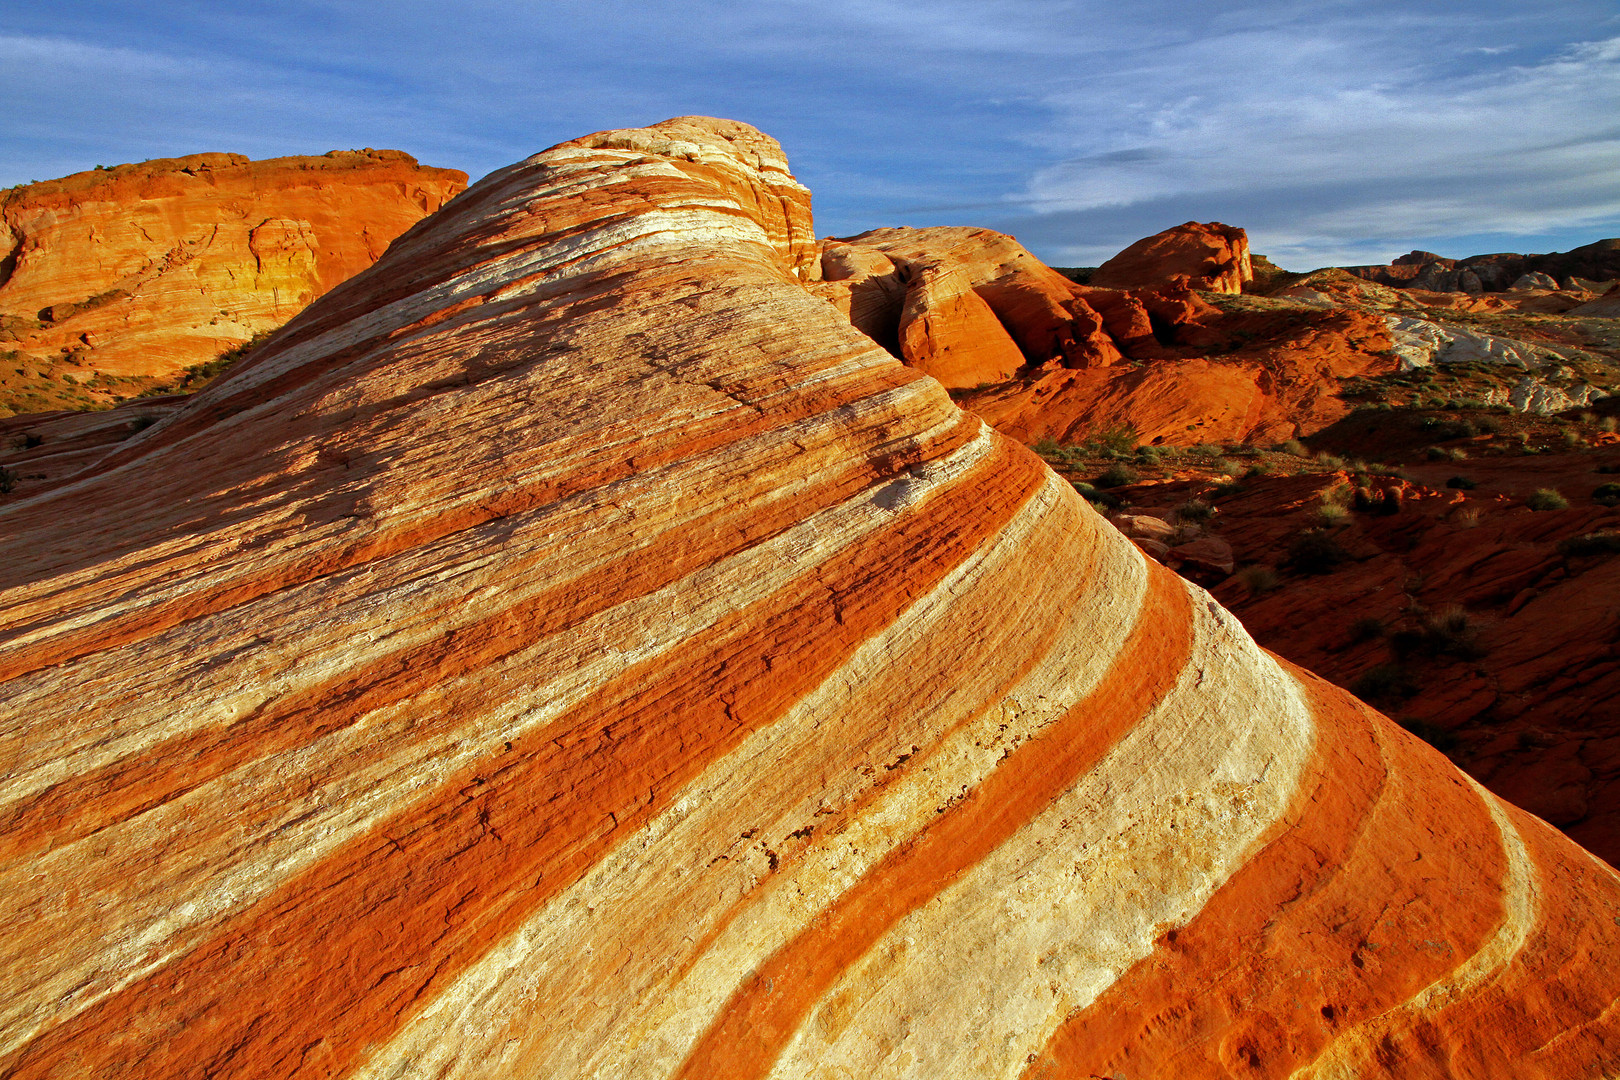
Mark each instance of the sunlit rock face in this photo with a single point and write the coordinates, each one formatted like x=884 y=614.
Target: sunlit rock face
x=1210 y=256
x=145 y=269
x=570 y=648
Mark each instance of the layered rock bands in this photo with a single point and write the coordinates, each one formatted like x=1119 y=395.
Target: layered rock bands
x=571 y=649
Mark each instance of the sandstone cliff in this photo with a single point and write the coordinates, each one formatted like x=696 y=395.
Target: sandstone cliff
x=142 y=270
x=570 y=648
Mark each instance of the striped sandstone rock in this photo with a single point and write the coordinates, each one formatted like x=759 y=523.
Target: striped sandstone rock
x=571 y=649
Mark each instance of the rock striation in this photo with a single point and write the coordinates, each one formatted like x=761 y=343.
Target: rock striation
x=569 y=648
x=145 y=269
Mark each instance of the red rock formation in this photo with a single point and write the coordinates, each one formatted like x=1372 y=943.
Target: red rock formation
x=145 y=269
x=1267 y=376
x=967 y=306
x=1212 y=257
x=568 y=648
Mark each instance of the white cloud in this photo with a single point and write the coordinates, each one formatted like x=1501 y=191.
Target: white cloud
x=1353 y=137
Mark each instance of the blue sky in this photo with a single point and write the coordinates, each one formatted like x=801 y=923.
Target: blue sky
x=1334 y=132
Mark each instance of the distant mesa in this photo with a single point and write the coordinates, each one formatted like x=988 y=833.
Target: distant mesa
x=570 y=647
x=113 y=279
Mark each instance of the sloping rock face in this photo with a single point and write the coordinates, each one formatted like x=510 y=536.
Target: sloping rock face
x=145 y=269
x=569 y=648
x=1212 y=257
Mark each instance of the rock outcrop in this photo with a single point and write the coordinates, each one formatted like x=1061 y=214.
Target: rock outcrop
x=1578 y=268
x=1212 y=257
x=967 y=306
x=145 y=269
x=569 y=648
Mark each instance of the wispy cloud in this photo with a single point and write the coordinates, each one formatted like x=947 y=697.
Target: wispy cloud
x=1341 y=127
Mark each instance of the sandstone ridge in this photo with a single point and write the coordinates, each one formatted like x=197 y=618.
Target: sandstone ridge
x=142 y=270
x=570 y=648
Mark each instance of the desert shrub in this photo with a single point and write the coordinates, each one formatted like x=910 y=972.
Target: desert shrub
x=1047 y=447
x=1466 y=517
x=1462 y=482
x=1195 y=510
x=1328 y=461
x=1603 y=542
x=1573 y=438
x=1607 y=470
x=8 y=480
x=1607 y=495
x=1149 y=455
x=1315 y=551
x=1367 y=628
x=1258 y=579
x=1385 y=683
x=1229 y=487
x=1295 y=447
x=1103 y=500
x=1259 y=468
x=1205 y=450
x=1115 y=439
x=1546 y=499
x=1451 y=632
x=1117 y=475
x=1371 y=500
x=1331 y=513
x=1609 y=424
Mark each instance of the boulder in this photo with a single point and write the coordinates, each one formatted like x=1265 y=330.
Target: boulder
x=1210 y=256
x=1536 y=280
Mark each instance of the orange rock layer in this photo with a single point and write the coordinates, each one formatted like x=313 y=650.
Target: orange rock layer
x=145 y=269
x=571 y=649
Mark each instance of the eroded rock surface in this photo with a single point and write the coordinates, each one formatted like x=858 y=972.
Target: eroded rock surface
x=145 y=269
x=1212 y=257
x=570 y=648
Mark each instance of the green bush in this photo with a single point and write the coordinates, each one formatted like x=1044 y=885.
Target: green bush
x=1295 y=447
x=1331 y=513
x=1114 y=439
x=1546 y=499
x=1117 y=475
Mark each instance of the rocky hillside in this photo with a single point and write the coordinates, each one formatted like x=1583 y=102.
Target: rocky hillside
x=113 y=280
x=571 y=648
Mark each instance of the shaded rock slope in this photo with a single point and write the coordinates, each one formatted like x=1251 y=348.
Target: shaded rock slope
x=571 y=649
x=112 y=275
